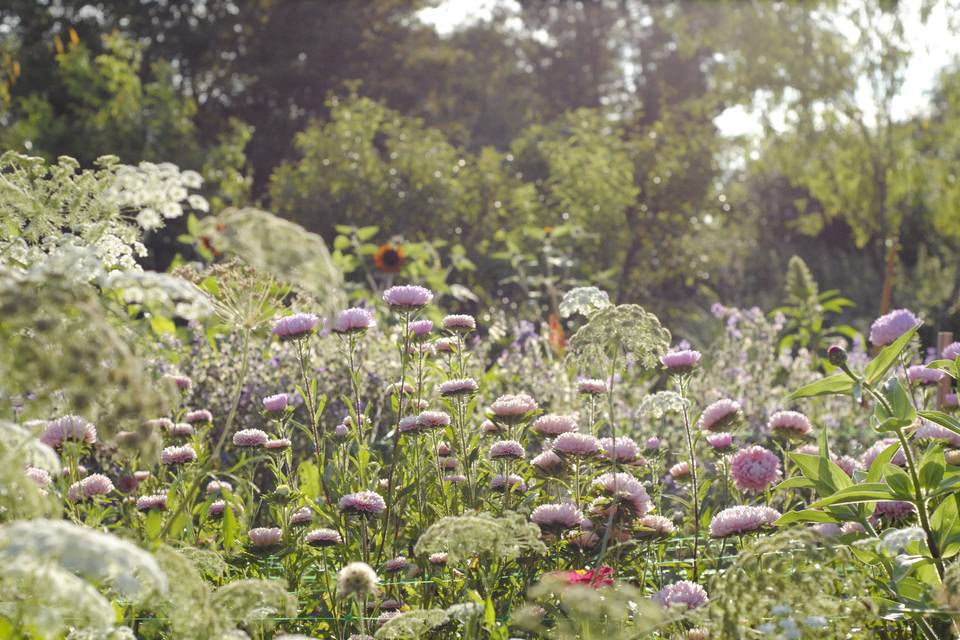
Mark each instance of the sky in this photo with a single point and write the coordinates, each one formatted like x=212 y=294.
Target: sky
x=934 y=45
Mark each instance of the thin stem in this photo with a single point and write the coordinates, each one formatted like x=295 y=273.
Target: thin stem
x=693 y=476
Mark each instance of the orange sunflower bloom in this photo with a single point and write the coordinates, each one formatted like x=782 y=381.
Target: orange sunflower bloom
x=389 y=258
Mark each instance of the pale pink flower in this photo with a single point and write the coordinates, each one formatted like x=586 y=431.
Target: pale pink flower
x=178 y=455
x=951 y=351
x=625 y=450
x=250 y=438
x=363 y=503
x=754 y=469
x=919 y=374
x=555 y=518
x=155 y=502
x=183 y=383
x=592 y=386
x=513 y=406
x=789 y=424
x=216 y=508
x=513 y=481
x=265 y=536
x=950 y=401
x=438 y=559
x=323 y=538
x=742 y=519
x=433 y=420
x=652 y=444
x=721 y=441
x=394 y=565
x=552 y=424
x=684 y=593
x=459 y=322
x=682 y=361
x=720 y=415
x=852 y=528
x=218 y=486
x=680 y=471
x=407 y=296
x=548 y=462
x=449 y=463
x=39 y=476
x=421 y=328
x=877 y=448
x=276 y=403
x=654 y=526
x=443 y=449
x=506 y=450
x=164 y=424
x=576 y=445
x=848 y=464
x=409 y=424
x=140 y=476
x=277 y=444
x=624 y=485
x=445 y=345
x=299 y=325
x=462 y=387
x=489 y=428
x=180 y=430
x=353 y=320
x=934 y=431
x=68 y=428
x=198 y=415
x=887 y=328
x=96 y=484
x=300 y=517
x=893 y=509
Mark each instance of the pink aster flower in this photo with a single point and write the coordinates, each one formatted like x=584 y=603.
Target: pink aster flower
x=551 y=424
x=183 y=383
x=684 y=593
x=513 y=407
x=443 y=450
x=393 y=565
x=721 y=441
x=455 y=478
x=433 y=420
x=323 y=538
x=742 y=519
x=250 y=438
x=41 y=477
x=364 y=503
x=198 y=415
x=300 y=517
x=68 y=428
x=950 y=401
x=438 y=559
x=407 y=297
x=96 y=484
x=178 y=455
x=652 y=444
x=721 y=415
x=625 y=486
x=625 y=450
x=459 y=323
x=754 y=469
x=218 y=486
x=592 y=386
x=216 y=508
x=951 y=351
x=162 y=424
x=449 y=463
x=395 y=388
x=353 y=320
x=506 y=450
x=933 y=431
x=789 y=424
x=299 y=325
x=826 y=529
x=555 y=518
x=421 y=328
x=893 y=509
x=155 y=502
x=277 y=444
x=919 y=374
x=848 y=464
x=341 y=432
x=445 y=345
x=461 y=387
x=887 y=328
x=877 y=448
x=548 y=462
x=180 y=430
x=140 y=476
x=654 y=526
x=262 y=537
x=513 y=481
x=408 y=424
x=682 y=361
x=576 y=445
x=489 y=428
x=276 y=403
x=680 y=471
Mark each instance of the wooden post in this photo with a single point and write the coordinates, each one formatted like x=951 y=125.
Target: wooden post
x=944 y=338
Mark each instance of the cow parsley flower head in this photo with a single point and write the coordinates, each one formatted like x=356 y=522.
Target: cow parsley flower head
x=357 y=579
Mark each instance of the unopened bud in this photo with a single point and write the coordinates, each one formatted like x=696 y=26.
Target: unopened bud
x=837 y=355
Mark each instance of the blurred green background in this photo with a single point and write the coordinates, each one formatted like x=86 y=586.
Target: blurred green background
x=675 y=154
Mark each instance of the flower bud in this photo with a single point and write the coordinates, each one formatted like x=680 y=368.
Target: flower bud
x=837 y=355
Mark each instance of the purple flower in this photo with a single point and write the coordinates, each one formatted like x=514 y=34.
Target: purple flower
x=276 y=403
x=551 y=424
x=68 y=428
x=394 y=565
x=407 y=297
x=624 y=450
x=433 y=420
x=183 y=383
x=421 y=328
x=721 y=441
x=506 y=450
x=513 y=481
x=250 y=438
x=198 y=415
x=624 y=485
x=893 y=509
x=300 y=517
x=353 y=320
x=680 y=361
x=652 y=444
x=919 y=374
x=489 y=428
x=218 y=486
x=720 y=415
x=178 y=455
x=216 y=508
x=39 y=476
x=443 y=450
x=460 y=387
x=323 y=538
x=155 y=502
x=680 y=470
x=262 y=537
x=445 y=345
x=341 y=432
x=437 y=559
x=409 y=424
x=277 y=444
x=742 y=519
x=877 y=448
x=299 y=325
x=592 y=386
x=684 y=593
x=754 y=469
x=789 y=424
x=555 y=518
x=460 y=322
x=96 y=484
x=951 y=351
x=548 y=462
x=887 y=328
x=654 y=526
x=512 y=407
x=934 y=431
x=577 y=445
x=180 y=430
x=364 y=503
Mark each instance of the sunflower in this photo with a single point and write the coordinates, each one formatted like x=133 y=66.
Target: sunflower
x=389 y=258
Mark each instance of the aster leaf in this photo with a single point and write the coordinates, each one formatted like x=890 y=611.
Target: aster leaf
x=837 y=384
x=804 y=515
x=863 y=492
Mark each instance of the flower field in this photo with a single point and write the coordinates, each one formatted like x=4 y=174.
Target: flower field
x=234 y=450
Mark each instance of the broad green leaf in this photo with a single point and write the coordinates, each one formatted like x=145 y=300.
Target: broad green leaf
x=365 y=233
x=899 y=481
x=941 y=419
x=950 y=366
x=863 y=492
x=931 y=468
x=309 y=479
x=945 y=523
x=796 y=482
x=153 y=524
x=899 y=400
x=229 y=527
x=805 y=515
x=878 y=367
x=875 y=473
x=837 y=384
x=827 y=477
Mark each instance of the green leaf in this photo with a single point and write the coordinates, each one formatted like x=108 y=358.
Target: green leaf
x=863 y=492
x=309 y=479
x=365 y=233
x=805 y=515
x=950 y=366
x=898 y=481
x=878 y=367
x=941 y=419
x=153 y=524
x=229 y=527
x=162 y=325
x=796 y=482
x=827 y=477
x=875 y=472
x=945 y=523
x=931 y=468
x=837 y=384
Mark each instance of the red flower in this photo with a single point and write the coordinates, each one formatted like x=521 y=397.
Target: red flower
x=596 y=578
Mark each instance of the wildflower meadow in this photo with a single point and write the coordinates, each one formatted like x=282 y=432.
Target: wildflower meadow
x=385 y=375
